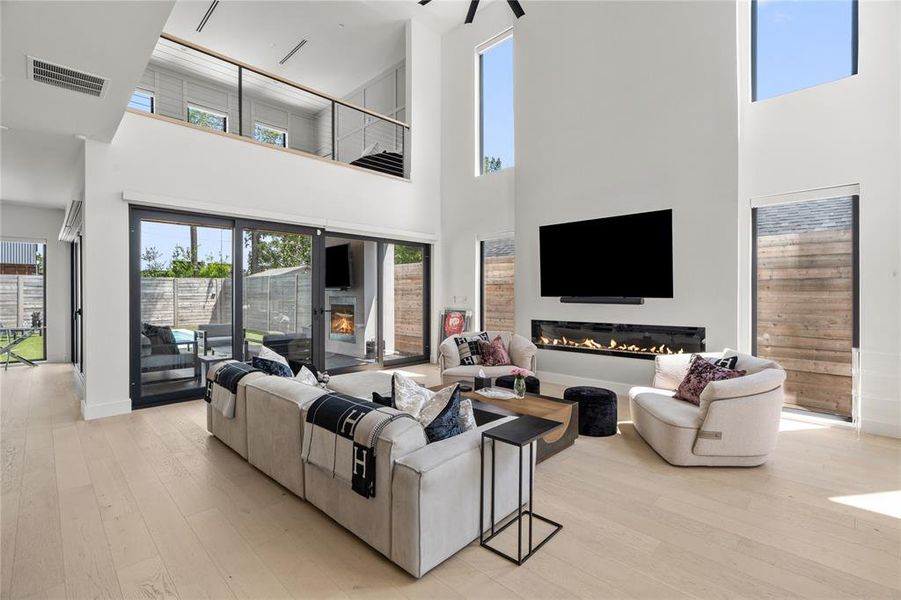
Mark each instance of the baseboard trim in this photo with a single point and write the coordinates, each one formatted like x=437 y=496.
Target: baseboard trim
x=107 y=409
x=876 y=427
x=621 y=389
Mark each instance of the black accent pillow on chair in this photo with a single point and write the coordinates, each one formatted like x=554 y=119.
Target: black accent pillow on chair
x=728 y=362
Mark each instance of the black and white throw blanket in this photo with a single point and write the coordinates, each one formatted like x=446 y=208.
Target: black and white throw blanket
x=222 y=385
x=340 y=434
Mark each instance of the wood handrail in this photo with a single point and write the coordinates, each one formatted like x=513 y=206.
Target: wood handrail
x=258 y=71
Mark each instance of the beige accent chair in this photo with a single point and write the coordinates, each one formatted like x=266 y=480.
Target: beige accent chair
x=736 y=424
x=522 y=353
x=426 y=507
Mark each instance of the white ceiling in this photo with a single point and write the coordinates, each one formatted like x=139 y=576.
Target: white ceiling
x=38 y=163
x=336 y=59
x=114 y=39
x=39 y=168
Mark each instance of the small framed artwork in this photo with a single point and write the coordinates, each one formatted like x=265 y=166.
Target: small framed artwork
x=454 y=321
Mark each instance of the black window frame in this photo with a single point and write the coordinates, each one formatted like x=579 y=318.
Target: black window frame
x=481 y=50
x=209 y=111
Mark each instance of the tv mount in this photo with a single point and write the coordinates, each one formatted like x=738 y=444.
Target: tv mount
x=600 y=300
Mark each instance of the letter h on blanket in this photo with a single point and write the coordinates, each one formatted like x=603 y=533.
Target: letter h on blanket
x=340 y=435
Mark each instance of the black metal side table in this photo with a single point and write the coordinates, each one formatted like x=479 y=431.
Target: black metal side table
x=520 y=432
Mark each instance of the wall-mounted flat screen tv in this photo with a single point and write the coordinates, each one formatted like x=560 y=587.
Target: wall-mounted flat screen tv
x=338 y=272
x=628 y=256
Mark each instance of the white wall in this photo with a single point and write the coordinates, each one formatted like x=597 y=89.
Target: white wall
x=473 y=208
x=621 y=107
x=840 y=133
x=40 y=224
x=162 y=164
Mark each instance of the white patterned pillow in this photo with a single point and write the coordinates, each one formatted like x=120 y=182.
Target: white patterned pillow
x=469 y=348
x=306 y=376
x=467 y=416
x=424 y=404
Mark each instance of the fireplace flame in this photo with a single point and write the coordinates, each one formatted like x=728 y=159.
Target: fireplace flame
x=342 y=323
x=612 y=345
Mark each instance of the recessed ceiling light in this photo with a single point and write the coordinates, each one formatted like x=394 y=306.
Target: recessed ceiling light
x=340 y=25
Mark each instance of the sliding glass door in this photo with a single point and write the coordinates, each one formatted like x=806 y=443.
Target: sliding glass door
x=278 y=294
x=205 y=289
x=22 y=300
x=376 y=303
x=405 y=279
x=182 y=295
x=352 y=303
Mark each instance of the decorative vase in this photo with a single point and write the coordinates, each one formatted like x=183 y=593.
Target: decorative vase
x=519 y=387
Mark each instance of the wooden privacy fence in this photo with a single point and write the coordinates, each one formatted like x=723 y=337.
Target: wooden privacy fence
x=20 y=296
x=498 y=293
x=805 y=316
x=277 y=302
x=408 y=298
x=185 y=301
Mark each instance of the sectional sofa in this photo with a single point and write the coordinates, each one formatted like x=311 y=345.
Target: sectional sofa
x=426 y=506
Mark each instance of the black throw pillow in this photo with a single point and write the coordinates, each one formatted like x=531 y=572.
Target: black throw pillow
x=383 y=400
x=447 y=423
x=161 y=338
x=727 y=362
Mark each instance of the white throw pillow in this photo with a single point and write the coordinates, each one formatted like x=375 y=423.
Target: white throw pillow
x=467 y=417
x=422 y=403
x=270 y=354
x=306 y=376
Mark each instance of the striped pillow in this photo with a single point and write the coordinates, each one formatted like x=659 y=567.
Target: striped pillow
x=469 y=348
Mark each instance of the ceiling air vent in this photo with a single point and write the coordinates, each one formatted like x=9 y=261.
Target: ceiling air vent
x=66 y=78
x=293 y=51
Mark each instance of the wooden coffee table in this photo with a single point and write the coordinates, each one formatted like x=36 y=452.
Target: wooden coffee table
x=565 y=412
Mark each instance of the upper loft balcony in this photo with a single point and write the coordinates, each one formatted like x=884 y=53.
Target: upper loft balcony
x=197 y=87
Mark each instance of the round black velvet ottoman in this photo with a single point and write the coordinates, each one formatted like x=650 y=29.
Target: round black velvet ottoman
x=533 y=386
x=597 y=410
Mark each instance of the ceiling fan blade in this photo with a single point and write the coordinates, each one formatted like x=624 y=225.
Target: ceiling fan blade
x=516 y=7
x=473 y=7
x=424 y=2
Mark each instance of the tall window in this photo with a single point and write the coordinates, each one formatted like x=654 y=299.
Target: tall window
x=498 y=261
x=207 y=118
x=805 y=299
x=22 y=295
x=268 y=134
x=142 y=100
x=796 y=45
x=496 y=104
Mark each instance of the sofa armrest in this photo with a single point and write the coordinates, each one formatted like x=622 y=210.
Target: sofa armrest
x=435 y=497
x=742 y=426
x=748 y=385
x=522 y=352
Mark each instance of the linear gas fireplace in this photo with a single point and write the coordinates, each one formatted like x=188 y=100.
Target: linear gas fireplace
x=618 y=339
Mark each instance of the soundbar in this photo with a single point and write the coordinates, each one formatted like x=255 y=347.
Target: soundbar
x=600 y=300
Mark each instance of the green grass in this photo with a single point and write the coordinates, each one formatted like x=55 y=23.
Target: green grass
x=32 y=348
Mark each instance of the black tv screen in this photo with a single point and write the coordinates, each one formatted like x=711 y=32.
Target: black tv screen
x=628 y=256
x=337 y=267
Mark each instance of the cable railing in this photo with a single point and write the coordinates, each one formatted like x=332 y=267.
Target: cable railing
x=201 y=87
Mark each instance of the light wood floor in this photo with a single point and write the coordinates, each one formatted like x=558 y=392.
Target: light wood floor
x=149 y=505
